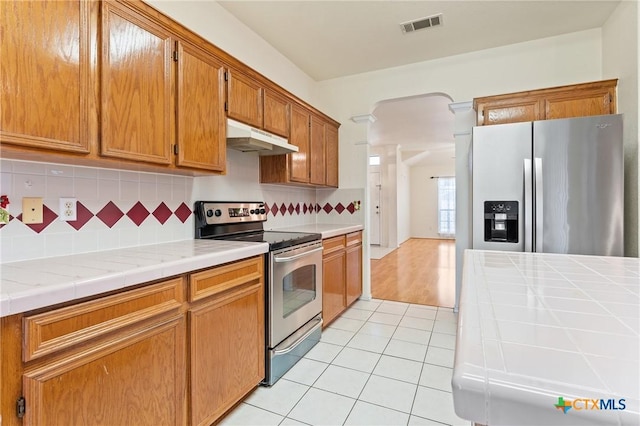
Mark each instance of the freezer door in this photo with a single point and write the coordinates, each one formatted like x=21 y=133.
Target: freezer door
x=582 y=185
x=498 y=162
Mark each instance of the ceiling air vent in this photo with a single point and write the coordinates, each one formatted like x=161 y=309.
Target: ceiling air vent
x=422 y=23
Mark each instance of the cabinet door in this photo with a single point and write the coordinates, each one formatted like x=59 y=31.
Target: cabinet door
x=46 y=74
x=227 y=343
x=354 y=267
x=299 y=161
x=579 y=104
x=331 y=155
x=509 y=111
x=277 y=110
x=201 y=120
x=317 y=175
x=333 y=278
x=244 y=99
x=136 y=80
x=136 y=378
x=227 y=352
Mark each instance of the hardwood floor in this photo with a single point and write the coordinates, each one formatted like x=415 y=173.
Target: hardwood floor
x=420 y=271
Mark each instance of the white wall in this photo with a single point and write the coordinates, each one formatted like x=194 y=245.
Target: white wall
x=424 y=199
x=404 y=202
x=554 y=61
x=620 y=60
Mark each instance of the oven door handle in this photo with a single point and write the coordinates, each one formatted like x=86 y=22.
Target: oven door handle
x=297 y=256
x=293 y=345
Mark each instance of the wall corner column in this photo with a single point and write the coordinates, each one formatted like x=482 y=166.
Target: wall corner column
x=464 y=121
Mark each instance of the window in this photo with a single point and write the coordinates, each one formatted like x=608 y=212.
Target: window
x=447 y=206
x=374 y=160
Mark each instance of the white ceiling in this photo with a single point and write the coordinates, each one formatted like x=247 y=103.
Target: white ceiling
x=331 y=39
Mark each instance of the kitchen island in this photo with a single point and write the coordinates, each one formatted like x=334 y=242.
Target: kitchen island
x=548 y=339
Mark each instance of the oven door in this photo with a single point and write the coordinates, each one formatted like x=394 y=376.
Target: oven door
x=295 y=293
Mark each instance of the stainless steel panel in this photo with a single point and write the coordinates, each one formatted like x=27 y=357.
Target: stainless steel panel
x=497 y=155
x=583 y=184
x=528 y=204
x=284 y=318
x=281 y=358
x=538 y=204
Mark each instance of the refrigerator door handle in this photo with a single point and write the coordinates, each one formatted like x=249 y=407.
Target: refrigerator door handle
x=538 y=205
x=527 y=209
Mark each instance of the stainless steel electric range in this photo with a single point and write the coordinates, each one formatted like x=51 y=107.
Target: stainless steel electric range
x=293 y=269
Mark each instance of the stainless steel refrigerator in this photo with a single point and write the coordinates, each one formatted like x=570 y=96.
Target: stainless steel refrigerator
x=552 y=186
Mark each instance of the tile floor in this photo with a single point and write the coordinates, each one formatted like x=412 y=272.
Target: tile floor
x=380 y=363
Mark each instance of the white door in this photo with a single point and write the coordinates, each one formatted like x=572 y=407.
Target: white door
x=374 y=209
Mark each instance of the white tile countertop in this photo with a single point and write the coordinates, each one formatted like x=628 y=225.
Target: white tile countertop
x=534 y=328
x=34 y=284
x=327 y=230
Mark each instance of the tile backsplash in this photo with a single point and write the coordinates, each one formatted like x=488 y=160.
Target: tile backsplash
x=118 y=209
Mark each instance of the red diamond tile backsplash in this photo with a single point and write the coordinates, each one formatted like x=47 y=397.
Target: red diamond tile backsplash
x=110 y=214
x=138 y=213
x=183 y=212
x=162 y=213
x=83 y=216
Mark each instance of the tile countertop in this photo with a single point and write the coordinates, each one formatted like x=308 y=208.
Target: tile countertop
x=327 y=230
x=38 y=283
x=535 y=327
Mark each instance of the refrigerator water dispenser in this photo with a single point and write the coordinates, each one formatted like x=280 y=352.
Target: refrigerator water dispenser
x=501 y=221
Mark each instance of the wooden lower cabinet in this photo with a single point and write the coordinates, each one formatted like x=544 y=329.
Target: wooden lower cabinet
x=227 y=345
x=137 y=378
x=342 y=274
x=353 y=275
x=333 y=279
x=175 y=352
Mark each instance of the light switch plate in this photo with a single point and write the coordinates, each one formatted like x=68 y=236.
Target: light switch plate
x=32 y=210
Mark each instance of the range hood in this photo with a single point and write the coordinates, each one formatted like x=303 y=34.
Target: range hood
x=245 y=138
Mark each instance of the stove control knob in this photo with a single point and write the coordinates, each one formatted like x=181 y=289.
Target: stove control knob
x=209 y=213
x=262 y=211
x=218 y=213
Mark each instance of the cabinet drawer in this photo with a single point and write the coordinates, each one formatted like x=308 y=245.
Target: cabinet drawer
x=222 y=278
x=59 y=329
x=354 y=238
x=331 y=245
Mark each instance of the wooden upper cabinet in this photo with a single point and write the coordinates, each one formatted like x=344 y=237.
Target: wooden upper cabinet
x=509 y=111
x=581 y=103
x=577 y=100
x=46 y=74
x=317 y=172
x=299 y=161
x=201 y=121
x=244 y=98
x=331 y=155
x=136 y=87
x=277 y=111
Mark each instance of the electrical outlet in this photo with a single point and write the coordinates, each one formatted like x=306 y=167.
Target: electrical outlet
x=32 y=210
x=68 y=209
